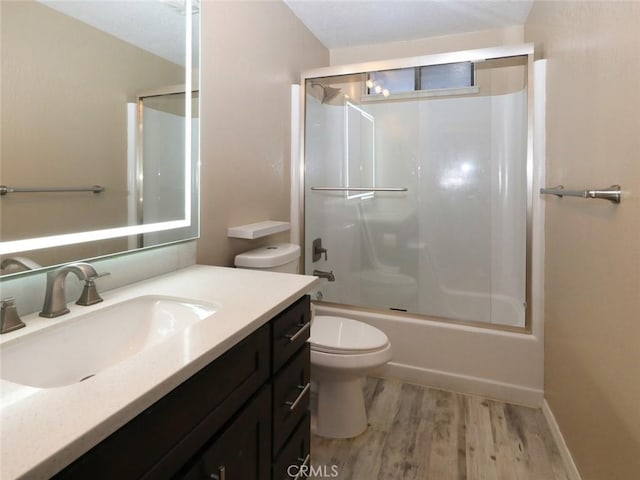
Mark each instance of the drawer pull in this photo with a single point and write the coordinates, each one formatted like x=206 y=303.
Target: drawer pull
x=221 y=474
x=302 y=470
x=294 y=404
x=303 y=327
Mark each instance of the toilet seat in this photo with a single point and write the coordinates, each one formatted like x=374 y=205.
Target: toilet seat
x=344 y=336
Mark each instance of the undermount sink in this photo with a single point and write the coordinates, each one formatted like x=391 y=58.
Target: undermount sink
x=82 y=347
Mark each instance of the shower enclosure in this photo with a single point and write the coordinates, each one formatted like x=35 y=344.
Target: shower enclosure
x=158 y=165
x=417 y=181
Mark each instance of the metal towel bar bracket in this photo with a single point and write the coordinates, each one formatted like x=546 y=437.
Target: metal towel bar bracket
x=611 y=193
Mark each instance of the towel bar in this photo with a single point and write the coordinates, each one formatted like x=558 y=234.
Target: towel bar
x=611 y=193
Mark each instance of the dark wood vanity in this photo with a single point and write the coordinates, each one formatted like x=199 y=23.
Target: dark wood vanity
x=244 y=416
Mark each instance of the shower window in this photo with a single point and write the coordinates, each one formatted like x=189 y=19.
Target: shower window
x=451 y=75
x=431 y=77
x=442 y=232
x=392 y=81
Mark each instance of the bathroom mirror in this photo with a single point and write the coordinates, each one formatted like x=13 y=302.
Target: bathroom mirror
x=99 y=135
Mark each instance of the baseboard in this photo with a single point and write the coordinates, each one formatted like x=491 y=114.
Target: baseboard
x=505 y=392
x=572 y=470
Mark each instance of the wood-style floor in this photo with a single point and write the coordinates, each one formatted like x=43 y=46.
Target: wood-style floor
x=421 y=433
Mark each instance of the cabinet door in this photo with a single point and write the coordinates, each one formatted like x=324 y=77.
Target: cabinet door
x=242 y=450
x=294 y=459
x=290 y=396
x=162 y=438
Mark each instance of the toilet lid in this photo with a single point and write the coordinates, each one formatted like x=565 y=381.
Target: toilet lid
x=269 y=256
x=344 y=335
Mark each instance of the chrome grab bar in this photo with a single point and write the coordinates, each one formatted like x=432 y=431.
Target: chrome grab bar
x=611 y=193
x=360 y=189
x=94 y=188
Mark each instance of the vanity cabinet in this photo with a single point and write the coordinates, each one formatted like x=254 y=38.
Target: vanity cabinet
x=244 y=416
x=291 y=386
x=241 y=450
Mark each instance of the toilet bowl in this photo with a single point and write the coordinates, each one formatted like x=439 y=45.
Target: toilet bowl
x=342 y=352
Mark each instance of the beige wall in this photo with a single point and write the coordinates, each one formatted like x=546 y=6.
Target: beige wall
x=251 y=54
x=592 y=346
x=427 y=46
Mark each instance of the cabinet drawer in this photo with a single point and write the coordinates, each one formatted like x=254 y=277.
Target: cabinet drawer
x=241 y=451
x=182 y=421
x=290 y=396
x=295 y=456
x=290 y=331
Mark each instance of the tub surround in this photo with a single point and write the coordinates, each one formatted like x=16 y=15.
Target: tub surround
x=43 y=430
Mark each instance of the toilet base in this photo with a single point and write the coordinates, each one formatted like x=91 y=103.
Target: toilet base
x=340 y=412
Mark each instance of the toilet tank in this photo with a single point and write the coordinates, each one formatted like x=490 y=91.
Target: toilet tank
x=281 y=257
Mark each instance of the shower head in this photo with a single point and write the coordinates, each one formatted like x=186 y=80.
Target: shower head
x=328 y=93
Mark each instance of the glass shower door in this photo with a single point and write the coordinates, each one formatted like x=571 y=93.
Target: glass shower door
x=362 y=209
x=419 y=196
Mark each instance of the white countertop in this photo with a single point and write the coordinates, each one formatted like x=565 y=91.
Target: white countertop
x=44 y=429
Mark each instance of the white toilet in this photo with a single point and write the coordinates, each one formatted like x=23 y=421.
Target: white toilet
x=342 y=352
x=280 y=257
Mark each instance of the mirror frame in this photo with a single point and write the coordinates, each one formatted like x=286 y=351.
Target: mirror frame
x=30 y=244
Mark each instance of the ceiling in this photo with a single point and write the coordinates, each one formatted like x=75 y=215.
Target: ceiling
x=348 y=23
x=155 y=26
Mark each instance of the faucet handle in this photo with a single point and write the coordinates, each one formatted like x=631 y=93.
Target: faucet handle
x=318 y=250
x=89 y=295
x=9 y=318
x=99 y=275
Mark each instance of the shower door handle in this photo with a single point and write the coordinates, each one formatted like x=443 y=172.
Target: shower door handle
x=359 y=189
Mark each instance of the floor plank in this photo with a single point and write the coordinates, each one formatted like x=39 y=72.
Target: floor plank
x=419 y=433
x=506 y=450
x=399 y=458
x=480 y=447
x=448 y=438
x=384 y=400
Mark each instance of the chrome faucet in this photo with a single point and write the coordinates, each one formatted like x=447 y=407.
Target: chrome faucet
x=9 y=318
x=328 y=275
x=19 y=264
x=55 y=302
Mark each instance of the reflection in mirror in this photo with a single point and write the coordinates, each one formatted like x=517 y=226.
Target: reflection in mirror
x=89 y=98
x=163 y=190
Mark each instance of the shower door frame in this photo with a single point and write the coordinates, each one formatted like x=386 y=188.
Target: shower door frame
x=476 y=55
x=192 y=173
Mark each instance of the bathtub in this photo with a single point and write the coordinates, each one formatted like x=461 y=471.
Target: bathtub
x=500 y=364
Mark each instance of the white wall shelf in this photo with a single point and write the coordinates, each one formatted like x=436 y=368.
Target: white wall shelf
x=257 y=230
